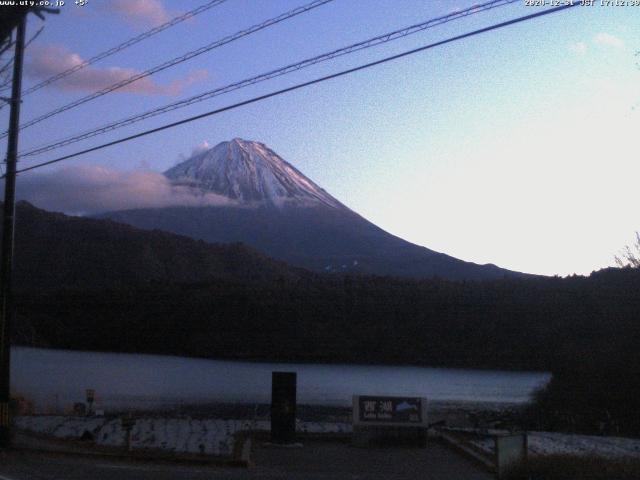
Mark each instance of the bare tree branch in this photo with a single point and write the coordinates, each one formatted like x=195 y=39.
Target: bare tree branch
x=630 y=255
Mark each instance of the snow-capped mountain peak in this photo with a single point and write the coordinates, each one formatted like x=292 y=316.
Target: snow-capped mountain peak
x=249 y=173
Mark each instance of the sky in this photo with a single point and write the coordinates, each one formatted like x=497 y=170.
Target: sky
x=516 y=147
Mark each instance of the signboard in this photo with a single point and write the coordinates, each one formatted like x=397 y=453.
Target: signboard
x=283 y=407
x=392 y=411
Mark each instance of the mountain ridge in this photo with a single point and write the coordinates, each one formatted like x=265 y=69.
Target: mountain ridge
x=290 y=218
x=54 y=250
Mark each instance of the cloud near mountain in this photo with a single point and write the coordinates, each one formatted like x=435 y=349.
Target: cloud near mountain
x=88 y=189
x=49 y=60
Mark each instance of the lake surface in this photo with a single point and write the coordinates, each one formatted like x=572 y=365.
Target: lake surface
x=57 y=378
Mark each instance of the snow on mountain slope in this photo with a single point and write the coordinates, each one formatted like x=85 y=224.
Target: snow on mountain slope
x=250 y=173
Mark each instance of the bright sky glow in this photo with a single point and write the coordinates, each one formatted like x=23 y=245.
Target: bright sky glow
x=518 y=147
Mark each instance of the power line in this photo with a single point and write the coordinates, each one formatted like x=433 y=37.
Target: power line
x=3 y=49
x=6 y=45
x=304 y=84
x=372 y=42
x=35 y=35
x=126 y=44
x=177 y=60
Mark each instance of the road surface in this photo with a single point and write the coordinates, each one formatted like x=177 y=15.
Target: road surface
x=315 y=461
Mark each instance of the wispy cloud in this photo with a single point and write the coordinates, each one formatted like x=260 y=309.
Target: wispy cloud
x=201 y=147
x=141 y=12
x=608 y=40
x=579 y=48
x=87 y=189
x=46 y=61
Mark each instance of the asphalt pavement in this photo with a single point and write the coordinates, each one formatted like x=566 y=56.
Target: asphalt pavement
x=314 y=461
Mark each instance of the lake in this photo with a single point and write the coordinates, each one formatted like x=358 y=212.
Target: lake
x=58 y=378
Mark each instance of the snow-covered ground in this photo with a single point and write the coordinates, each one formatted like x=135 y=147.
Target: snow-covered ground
x=547 y=443
x=55 y=379
x=216 y=436
x=209 y=436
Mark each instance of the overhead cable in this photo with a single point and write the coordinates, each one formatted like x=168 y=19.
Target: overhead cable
x=175 y=61
x=372 y=42
x=302 y=85
x=132 y=41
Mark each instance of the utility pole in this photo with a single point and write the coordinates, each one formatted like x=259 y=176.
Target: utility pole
x=6 y=267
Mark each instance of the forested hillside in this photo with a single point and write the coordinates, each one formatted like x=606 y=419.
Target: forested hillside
x=584 y=330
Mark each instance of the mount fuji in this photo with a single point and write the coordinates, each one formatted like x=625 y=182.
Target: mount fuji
x=251 y=174
x=276 y=209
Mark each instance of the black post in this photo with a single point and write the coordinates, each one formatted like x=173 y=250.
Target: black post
x=8 y=221
x=283 y=407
